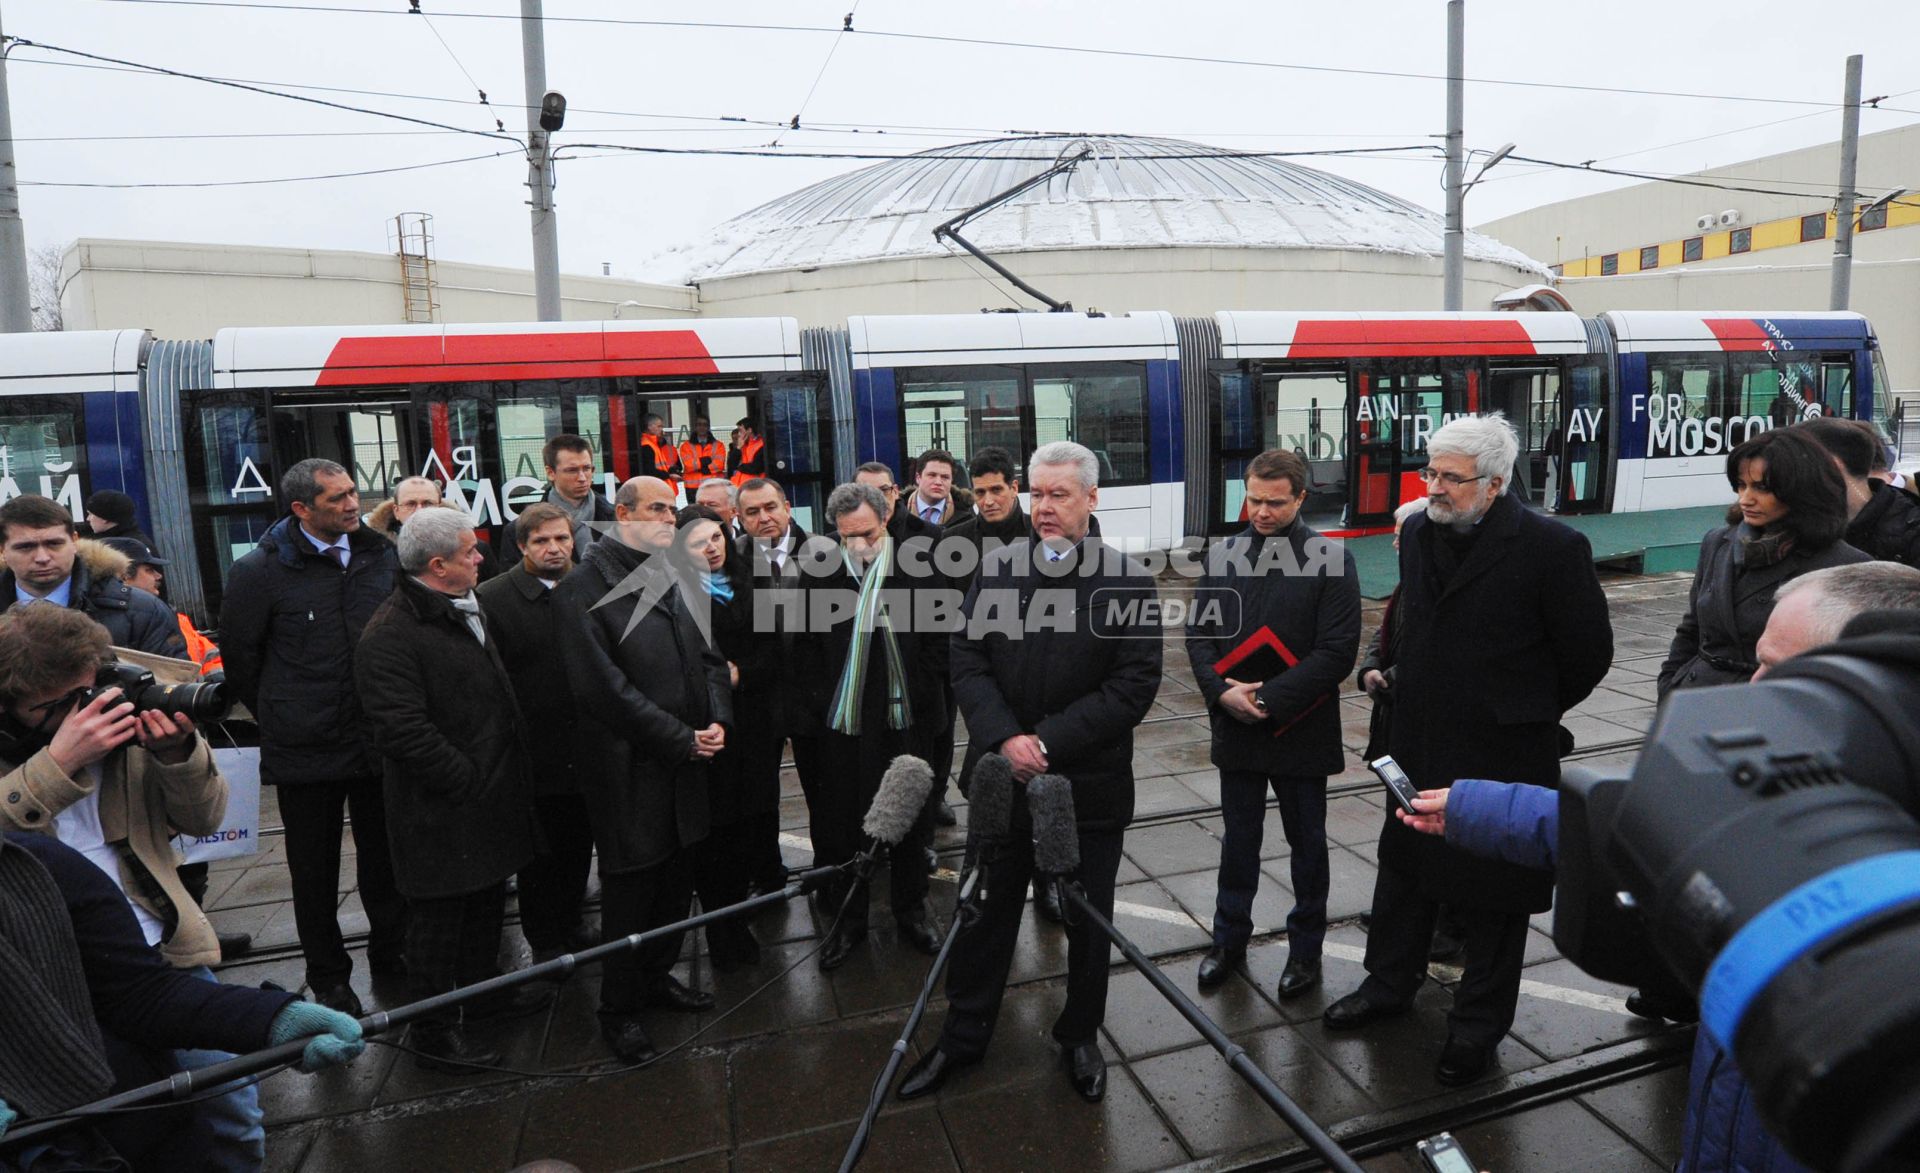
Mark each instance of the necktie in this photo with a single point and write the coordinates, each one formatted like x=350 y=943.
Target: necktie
x=340 y=555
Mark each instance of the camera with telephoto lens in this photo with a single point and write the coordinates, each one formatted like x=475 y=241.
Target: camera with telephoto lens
x=1765 y=855
x=200 y=700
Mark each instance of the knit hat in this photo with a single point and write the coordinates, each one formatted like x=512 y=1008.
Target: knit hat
x=113 y=505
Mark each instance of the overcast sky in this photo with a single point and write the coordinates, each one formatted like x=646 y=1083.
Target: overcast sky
x=622 y=80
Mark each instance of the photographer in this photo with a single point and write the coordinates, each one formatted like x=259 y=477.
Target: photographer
x=1519 y=824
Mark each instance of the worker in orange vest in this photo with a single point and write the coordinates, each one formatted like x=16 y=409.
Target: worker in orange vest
x=748 y=458
x=702 y=456
x=658 y=456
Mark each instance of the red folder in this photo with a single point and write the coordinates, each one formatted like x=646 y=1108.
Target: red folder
x=1263 y=656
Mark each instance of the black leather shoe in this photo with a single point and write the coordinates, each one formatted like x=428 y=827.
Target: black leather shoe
x=1357 y=1010
x=1462 y=1062
x=943 y=815
x=234 y=945
x=517 y=1002
x=447 y=1048
x=839 y=946
x=1086 y=1071
x=1046 y=902
x=731 y=945
x=1445 y=946
x=929 y=1074
x=1648 y=1004
x=1299 y=977
x=918 y=931
x=1219 y=964
x=670 y=993
x=628 y=1040
x=339 y=996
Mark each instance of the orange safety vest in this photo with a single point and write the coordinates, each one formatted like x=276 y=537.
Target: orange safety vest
x=702 y=461
x=200 y=649
x=665 y=458
x=748 y=452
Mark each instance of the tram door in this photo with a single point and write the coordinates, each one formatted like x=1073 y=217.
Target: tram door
x=1397 y=404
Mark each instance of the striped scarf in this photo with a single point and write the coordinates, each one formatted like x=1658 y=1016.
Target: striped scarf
x=868 y=615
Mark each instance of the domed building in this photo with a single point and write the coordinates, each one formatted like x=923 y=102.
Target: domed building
x=1138 y=223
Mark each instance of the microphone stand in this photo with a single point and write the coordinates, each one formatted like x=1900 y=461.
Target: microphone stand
x=878 y=1096
x=185 y=1083
x=1236 y=1056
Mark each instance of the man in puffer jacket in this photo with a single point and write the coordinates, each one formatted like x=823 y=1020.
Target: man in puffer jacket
x=46 y=563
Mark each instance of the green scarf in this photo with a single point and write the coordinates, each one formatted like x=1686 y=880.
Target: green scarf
x=868 y=615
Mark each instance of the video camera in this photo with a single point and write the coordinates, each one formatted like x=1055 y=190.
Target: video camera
x=1765 y=853
x=202 y=700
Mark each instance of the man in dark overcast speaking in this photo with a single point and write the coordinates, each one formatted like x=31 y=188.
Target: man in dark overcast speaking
x=1058 y=660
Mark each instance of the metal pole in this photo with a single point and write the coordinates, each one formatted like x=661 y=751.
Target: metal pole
x=1849 y=160
x=16 y=291
x=1453 y=259
x=546 y=230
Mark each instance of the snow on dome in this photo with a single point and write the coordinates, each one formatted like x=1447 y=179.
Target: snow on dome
x=1129 y=193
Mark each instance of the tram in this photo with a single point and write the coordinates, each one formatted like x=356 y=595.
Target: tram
x=1623 y=412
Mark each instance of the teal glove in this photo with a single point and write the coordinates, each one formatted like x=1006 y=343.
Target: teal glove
x=335 y=1036
x=7 y=1117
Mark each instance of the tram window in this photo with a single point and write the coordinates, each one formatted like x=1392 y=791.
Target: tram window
x=1763 y=386
x=370 y=440
x=1685 y=387
x=962 y=409
x=1836 y=385
x=604 y=422
x=1692 y=248
x=1107 y=412
x=235 y=460
x=41 y=452
x=525 y=415
x=1740 y=240
x=1814 y=226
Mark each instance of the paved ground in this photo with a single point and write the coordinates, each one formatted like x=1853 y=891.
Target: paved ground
x=776 y=1077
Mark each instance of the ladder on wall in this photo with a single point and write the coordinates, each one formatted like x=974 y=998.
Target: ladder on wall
x=411 y=237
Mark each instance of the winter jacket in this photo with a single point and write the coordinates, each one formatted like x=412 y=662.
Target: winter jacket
x=1066 y=651
x=645 y=680
x=144 y=802
x=442 y=714
x=1727 y=609
x=288 y=629
x=133 y=618
x=1309 y=597
x=522 y=621
x=1887 y=528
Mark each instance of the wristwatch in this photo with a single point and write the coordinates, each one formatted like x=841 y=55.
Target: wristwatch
x=1042 y=745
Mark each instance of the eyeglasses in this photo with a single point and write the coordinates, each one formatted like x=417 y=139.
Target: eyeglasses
x=1450 y=480
x=47 y=710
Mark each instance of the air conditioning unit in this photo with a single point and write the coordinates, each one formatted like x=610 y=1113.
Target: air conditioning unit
x=1730 y=218
x=1706 y=222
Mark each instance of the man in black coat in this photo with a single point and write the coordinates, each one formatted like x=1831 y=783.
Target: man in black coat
x=772 y=542
x=901 y=523
x=868 y=715
x=295 y=608
x=1059 y=660
x=569 y=464
x=443 y=716
x=1882 y=521
x=44 y=561
x=655 y=705
x=1275 y=709
x=522 y=620
x=1504 y=628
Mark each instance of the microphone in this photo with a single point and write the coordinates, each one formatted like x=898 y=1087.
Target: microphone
x=897 y=803
x=1056 y=836
x=989 y=814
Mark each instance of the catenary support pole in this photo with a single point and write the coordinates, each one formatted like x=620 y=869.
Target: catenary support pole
x=16 y=293
x=546 y=231
x=1453 y=257
x=1849 y=160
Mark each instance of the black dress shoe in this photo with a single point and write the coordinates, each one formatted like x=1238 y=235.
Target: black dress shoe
x=1219 y=964
x=1657 y=1006
x=234 y=945
x=731 y=945
x=338 y=996
x=1086 y=1071
x=1445 y=946
x=1462 y=1062
x=444 y=1047
x=671 y=993
x=1046 y=902
x=929 y=1074
x=628 y=1040
x=917 y=930
x=516 y=1002
x=943 y=815
x=1357 y=1010
x=839 y=946
x=1300 y=976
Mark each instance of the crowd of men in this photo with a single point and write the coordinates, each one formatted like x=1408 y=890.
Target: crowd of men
x=622 y=680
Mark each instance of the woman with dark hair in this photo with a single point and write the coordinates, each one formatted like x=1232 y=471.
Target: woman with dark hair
x=709 y=568
x=1789 y=510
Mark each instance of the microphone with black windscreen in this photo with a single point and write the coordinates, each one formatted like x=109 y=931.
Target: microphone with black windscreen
x=989 y=815
x=1056 y=853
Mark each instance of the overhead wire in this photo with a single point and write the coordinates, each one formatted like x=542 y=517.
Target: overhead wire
x=275 y=179
x=834 y=47
x=479 y=89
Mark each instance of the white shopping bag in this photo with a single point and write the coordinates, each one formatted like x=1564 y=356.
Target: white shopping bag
x=239 y=834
